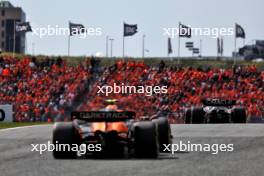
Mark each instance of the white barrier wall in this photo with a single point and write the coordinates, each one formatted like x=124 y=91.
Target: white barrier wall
x=6 y=113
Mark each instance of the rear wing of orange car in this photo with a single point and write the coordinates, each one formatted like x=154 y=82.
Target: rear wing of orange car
x=99 y=116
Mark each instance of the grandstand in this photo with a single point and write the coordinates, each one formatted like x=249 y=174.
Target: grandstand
x=48 y=89
x=40 y=90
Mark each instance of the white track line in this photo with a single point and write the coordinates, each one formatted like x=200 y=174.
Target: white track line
x=21 y=127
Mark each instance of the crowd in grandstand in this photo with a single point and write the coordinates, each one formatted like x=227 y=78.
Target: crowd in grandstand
x=41 y=90
x=186 y=87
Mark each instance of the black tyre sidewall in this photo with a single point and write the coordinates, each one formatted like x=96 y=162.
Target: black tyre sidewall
x=63 y=133
x=188 y=114
x=164 y=131
x=146 y=140
x=239 y=115
x=197 y=115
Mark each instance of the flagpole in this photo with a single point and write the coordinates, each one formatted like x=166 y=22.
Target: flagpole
x=106 y=46
x=69 y=39
x=222 y=46
x=14 y=40
x=179 y=43
x=25 y=44
x=217 y=46
x=111 y=47
x=220 y=40
x=201 y=47
x=169 y=48
x=69 y=44
x=129 y=30
x=33 y=48
x=235 y=50
x=123 y=46
x=168 y=53
x=123 y=54
x=143 y=46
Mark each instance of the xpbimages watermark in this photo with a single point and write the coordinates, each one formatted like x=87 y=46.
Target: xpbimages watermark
x=50 y=147
x=49 y=30
x=168 y=148
x=127 y=89
x=214 y=32
x=194 y=147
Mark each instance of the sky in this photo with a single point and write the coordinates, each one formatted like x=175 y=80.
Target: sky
x=151 y=16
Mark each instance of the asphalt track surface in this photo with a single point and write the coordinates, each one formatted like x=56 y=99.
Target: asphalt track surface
x=247 y=159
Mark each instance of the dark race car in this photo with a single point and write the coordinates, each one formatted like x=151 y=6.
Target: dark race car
x=216 y=111
x=117 y=132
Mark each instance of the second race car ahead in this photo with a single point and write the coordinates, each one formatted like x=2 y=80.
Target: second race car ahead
x=216 y=111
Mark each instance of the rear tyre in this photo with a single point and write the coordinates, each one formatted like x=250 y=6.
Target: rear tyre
x=188 y=114
x=64 y=133
x=239 y=115
x=164 y=132
x=146 y=140
x=197 y=115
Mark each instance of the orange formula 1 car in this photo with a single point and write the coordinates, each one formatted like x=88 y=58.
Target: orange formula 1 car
x=116 y=132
